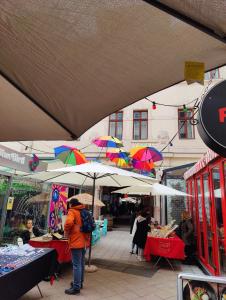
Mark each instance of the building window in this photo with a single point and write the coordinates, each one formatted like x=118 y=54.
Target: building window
x=214 y=74
x=140 y=124
x=186 y=131
x=116 y=124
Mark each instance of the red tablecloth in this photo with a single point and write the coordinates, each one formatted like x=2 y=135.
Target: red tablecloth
x=166 y=247
x=61 y=246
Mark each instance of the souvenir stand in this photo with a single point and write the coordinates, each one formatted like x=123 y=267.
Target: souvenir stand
x=164 y=244
x=25 y=267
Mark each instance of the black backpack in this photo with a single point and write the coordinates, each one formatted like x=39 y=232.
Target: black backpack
x=88 y=223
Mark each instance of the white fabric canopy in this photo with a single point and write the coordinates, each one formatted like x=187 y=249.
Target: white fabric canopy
x=154 y=190
x=65 y=65
x=83 y=175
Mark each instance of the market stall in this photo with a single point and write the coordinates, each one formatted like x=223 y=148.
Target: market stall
x=23 y=268
x=164 y=244
x=61 y=247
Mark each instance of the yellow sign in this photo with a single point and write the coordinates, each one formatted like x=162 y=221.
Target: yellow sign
x=10 y=203
x=194 y=72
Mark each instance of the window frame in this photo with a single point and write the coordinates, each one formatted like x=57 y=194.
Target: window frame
x=185 y=126
x=210 y=74
x=115 y=121
x=140 y=122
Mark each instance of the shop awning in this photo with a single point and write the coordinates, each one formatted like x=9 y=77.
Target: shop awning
x=65 y=65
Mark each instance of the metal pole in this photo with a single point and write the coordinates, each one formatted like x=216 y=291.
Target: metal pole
x=90 y=246
x=4 y=206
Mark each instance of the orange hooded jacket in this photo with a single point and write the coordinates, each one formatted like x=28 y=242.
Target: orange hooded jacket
x=72 y=229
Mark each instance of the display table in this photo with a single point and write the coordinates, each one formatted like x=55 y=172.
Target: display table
x=27 y=272
x=168 y=248
x=61 y=247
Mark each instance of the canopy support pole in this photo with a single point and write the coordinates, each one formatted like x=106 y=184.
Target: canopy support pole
x=90 y=246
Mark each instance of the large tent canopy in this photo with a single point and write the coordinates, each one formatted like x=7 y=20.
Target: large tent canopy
x=63 y=60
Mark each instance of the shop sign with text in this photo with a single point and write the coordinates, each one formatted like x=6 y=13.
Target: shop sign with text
x=212 y=119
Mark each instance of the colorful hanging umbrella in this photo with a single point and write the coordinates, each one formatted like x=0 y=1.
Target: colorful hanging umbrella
x=108 y=141
x=146 y=154
x=117 y=153
x=69 y=155
x=143 y=165
x=121 y=162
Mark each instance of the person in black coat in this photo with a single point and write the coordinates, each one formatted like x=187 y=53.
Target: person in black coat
x=30 y=231
x=186 y=230
x=140 y=236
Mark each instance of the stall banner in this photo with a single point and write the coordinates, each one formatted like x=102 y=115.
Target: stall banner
x=212 y=119
x=58 y=205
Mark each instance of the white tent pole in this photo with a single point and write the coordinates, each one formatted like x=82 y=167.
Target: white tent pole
x=90 y=246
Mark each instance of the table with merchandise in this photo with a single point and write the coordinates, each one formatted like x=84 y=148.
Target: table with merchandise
x=61 y=246
x=22 y=268
x=164 y=244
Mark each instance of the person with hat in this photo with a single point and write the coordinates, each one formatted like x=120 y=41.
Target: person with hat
x=77 y=243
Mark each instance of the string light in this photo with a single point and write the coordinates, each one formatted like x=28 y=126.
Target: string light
x=185 y=109
x=171 y=144
x=171 y=105
x=153 y=105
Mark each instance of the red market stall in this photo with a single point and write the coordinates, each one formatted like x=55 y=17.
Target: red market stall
x=168 y=248
x=61 y=246
x=206 y=182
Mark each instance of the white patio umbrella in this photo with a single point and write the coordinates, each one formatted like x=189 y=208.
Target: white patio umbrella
x=154 y=190
x=87 y=199
x=93 y=173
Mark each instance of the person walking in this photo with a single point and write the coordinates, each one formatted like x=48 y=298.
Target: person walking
x=133 y=230
x=77 y=243
x=140 y=236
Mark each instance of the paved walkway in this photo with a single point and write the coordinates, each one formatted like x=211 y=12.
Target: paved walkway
x=120 y=276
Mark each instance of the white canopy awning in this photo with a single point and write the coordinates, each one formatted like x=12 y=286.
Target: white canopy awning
x=83 y=175
x=65 y=65
x=155 y=190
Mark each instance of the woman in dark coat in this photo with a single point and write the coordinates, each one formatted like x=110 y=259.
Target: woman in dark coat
x=187 y=235
x=140 y=236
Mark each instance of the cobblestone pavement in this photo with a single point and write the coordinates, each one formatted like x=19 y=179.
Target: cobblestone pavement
x=120 y=275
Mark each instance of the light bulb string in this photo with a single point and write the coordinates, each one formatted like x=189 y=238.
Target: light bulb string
x=171 y=105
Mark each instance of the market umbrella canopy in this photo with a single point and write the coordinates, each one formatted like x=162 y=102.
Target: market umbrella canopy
x=156 y=189
x=86 y=199
x=83 y=175
x=69 y=64
x=40 y=198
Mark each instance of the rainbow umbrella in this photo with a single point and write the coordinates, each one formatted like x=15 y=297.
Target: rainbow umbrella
x=108 y=141
x=121 y=162
x=143 y=165
x=146 y=154
x=69 y=155
x=117 y=153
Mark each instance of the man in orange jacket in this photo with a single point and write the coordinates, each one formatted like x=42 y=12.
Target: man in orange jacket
x=77 y=243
